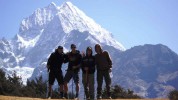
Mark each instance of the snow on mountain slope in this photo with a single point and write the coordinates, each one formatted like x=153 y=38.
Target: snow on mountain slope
x=70 y=18
x=40 y=33
x=51 y=26
x=9 y=62
x=74 y=19
x=6 y=53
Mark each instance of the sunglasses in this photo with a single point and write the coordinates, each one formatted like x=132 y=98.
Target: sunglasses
x=73 y=47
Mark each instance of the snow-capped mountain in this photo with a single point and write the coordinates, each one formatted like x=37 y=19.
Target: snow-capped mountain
x=51 y=26
x=6 y=53
x=9 y=62
x=40 y=33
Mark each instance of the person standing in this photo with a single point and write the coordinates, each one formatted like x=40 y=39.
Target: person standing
x=88 y=69
x=54 y=65
x=74 y=59
x=104 y=68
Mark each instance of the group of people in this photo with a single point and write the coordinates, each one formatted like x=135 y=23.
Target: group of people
x=88 y=62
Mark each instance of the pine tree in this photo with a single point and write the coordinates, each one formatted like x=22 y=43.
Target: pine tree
x=10 y=85
x=119 y=92
x=3 y=81
x=14 y=85
x=35 y=88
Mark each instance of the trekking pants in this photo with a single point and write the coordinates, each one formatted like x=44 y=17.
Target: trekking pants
x=100 y=75
x=88 y=85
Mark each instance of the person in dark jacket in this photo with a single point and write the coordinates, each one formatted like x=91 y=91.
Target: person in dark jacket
x=54 y=65
x=74 y=60
x=104 y=68
x=88 y=69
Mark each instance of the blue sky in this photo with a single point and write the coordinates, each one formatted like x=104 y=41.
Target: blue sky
x=132 y=22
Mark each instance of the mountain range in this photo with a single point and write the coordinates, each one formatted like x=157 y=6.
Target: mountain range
x=149 y=70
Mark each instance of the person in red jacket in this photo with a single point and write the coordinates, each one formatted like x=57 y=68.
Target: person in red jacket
x=104 y=68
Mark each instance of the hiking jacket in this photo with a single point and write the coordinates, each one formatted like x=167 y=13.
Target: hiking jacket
x=103 y=61
x=55 y=61
x=88 y=61
x=74 y=60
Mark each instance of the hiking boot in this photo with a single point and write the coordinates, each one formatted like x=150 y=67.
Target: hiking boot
x=76 y=96
x=49 y=95
x=109 y=97
x=92 y=97
x=99 y=96
x=61 y=95
x=87 y=97
x=65 y=96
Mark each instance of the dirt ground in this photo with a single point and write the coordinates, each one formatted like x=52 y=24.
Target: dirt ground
x=27 y=98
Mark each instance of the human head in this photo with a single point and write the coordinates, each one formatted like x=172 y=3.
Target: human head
x=98 y=49
x=73 y=47
x=60 y=49
x=89 y=51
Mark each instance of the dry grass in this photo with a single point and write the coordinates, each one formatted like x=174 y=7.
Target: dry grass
x=18 y=98
x=27 y=98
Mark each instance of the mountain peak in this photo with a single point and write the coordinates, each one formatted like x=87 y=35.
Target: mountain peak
x=67 y=4
x=71 y=18
x=52 y=5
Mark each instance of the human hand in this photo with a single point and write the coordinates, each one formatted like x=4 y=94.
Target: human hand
x=110 y=70
x=74 y=67
x=48 y=66
x=86 y=68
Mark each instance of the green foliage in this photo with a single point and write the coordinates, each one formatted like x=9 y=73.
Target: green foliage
x=173 y=95
x=118 y=92
x=12 y=85
x=3 y=81
x=35 y=88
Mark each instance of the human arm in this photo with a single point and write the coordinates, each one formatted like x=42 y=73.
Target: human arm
x=49 y=62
